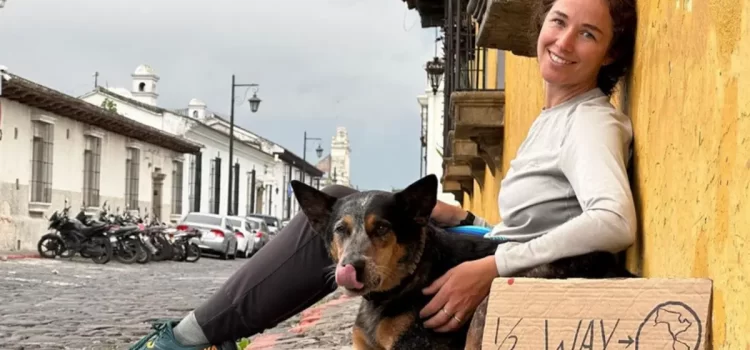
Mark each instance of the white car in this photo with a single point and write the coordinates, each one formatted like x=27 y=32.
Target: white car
x=245 y=234
x=262 y=234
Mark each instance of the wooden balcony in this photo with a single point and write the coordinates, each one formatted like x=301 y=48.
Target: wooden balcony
x=466 y=152
x=505 y=25
x=431 y=12
x=477 y=135
x=457 y=178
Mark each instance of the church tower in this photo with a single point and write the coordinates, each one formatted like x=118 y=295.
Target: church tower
x=340 y=154
x=144 y=85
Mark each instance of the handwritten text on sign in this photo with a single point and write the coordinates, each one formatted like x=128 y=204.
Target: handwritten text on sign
x=589 y=334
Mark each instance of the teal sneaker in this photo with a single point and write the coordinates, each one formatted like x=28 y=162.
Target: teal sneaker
x=162 y=338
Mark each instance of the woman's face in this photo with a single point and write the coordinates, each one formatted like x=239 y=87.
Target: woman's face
x=574 y=42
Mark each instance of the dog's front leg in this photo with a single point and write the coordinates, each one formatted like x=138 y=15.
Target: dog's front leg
x=359 y=339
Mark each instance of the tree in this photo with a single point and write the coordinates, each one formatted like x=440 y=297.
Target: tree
x=109 y=105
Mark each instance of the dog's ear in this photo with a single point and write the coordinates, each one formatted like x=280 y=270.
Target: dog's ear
x=419 y=198
x=316 y=205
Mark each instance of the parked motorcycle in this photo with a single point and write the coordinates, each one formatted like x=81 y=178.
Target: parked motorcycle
x=185 y=249
x=126 y=244
x=69 y=236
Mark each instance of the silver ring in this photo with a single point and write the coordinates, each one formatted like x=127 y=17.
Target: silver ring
x=457 y=319
x=446 y=312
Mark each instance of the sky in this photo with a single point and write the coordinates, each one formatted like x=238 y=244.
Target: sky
x=320 y=64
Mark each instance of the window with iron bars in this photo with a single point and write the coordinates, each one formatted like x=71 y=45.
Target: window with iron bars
x=211 y=193
x=91 y=170
x=41 y=162
x=285 y=199
x=191 y=183
x=176 y=187
x=132 y=172
x=249 y=194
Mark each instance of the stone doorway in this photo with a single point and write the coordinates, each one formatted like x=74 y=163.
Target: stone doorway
x=157 y=185
x=259 y=192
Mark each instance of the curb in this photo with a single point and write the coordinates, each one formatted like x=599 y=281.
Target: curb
x=18 y=256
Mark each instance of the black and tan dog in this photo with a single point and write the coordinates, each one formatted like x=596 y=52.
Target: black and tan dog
x=387 y=251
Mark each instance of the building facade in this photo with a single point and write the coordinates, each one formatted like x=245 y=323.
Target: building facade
x=257 y=170
x=431 y=138
x=57 y=148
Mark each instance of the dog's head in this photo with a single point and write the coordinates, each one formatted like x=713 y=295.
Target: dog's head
x=376 y=238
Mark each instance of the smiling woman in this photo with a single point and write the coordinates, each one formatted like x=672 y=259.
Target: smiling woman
x=586 y=40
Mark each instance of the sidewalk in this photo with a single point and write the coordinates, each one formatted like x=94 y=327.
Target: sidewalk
x=18 y=254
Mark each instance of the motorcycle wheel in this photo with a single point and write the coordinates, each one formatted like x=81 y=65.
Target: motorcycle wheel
x=177 y=252
x=127 y=252
x=102 y=242
x=165 y=248
x=184 y=247
x=69 y=251
x=144 y=254
x=193 y=253
x=50 y=246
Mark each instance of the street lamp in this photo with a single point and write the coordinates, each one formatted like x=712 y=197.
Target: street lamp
x=254 y=104
x=435 y=70
x=318 y=150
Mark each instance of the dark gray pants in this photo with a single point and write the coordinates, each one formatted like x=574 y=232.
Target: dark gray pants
x=285 y=277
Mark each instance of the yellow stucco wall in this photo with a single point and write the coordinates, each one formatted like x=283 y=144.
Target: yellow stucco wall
x=689 y=98
x=490 y=191
x=523 y=102
x=690 y=103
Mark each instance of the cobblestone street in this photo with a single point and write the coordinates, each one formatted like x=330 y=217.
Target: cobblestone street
x=54 y=304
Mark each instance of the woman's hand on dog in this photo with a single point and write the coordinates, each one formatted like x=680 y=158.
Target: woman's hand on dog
x=458 y=292
x=448 y=215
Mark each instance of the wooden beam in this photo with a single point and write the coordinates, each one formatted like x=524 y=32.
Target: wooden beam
x=507 y=25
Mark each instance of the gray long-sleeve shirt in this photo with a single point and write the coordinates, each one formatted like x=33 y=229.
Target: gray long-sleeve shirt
x=567 y=191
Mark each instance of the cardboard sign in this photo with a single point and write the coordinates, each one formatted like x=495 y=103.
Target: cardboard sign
x=575 y=314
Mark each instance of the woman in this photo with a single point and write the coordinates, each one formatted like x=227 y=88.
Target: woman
x=566 y=194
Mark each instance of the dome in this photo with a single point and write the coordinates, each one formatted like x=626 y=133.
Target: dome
x=144 y=69
x=196 y=102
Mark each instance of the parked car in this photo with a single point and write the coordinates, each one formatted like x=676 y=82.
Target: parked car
x=217 y=235
x=246 y=235
x=262 y=234
x=271 y=221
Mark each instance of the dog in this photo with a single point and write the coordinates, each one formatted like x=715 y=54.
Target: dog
x=387 y=249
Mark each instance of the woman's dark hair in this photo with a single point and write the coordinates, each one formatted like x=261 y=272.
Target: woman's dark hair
x=624 y=23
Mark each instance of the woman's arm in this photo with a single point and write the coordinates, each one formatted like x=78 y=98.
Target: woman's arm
x=594 y=160
x=451 y=215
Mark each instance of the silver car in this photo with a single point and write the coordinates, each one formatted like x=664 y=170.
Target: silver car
x=217 y=235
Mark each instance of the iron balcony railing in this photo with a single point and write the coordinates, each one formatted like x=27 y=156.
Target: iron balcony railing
x=465 y=63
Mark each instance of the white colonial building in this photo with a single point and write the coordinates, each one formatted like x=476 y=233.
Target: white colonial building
x=431 y=116
x=56 y=147
x=259 y=167
x=277 y=197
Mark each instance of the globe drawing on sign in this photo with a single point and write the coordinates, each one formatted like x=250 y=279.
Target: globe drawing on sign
x=671 y=325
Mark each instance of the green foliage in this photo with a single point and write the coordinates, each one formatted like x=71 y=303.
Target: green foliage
x=109 y=105
x=242 y=344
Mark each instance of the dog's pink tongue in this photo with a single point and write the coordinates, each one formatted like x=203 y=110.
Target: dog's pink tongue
x=346 y=276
